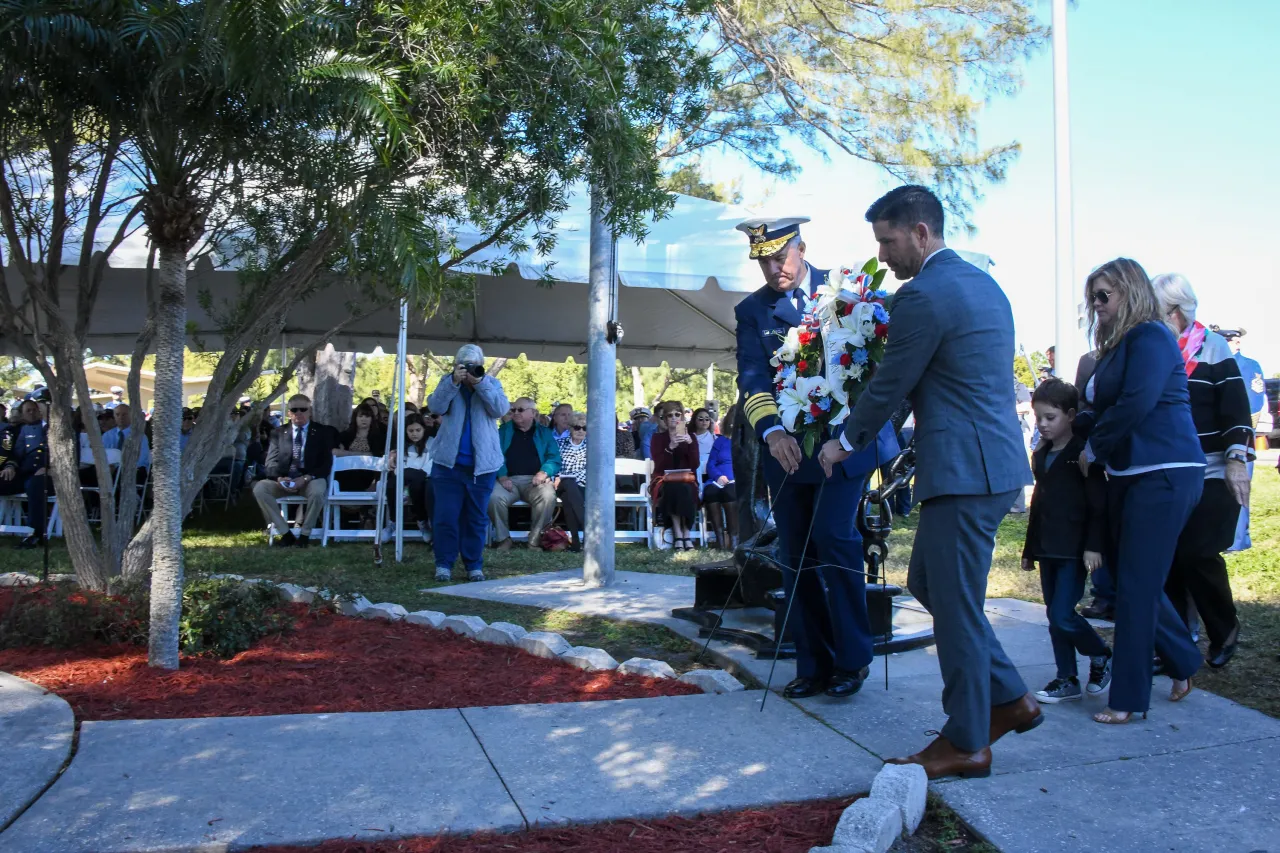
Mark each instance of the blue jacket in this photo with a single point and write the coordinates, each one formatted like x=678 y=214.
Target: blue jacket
x=1141 y=414
x=1254 y=381
x=25 y=448
x=720 y=460
x=763 y=318
x=951 y=344
x=544 y=442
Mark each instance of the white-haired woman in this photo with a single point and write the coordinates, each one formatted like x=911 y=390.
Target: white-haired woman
x=466 y=456
x=1220 y=409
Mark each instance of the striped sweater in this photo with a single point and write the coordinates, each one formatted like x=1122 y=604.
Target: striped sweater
x=1219 y=404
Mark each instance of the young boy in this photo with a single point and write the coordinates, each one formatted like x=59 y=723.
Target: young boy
x=1065 y=531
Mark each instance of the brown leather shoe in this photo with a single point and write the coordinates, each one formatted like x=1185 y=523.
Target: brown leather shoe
x=941 y=758
x=504 y=545
x=1021 y=716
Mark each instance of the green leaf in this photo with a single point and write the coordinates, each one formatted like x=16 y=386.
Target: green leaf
x=810 y=443
x=870 y=267
x=878 y=277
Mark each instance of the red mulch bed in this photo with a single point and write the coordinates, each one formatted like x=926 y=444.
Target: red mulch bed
x=782 y=829
x=328 y=664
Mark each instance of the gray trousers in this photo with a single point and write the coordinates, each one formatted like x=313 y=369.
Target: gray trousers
x=265 y=492
x=948 y=575
x=541 y=500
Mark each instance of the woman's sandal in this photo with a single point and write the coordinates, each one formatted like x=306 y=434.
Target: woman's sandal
x=1176 y=695
x=1115 y=718
x=688 y=544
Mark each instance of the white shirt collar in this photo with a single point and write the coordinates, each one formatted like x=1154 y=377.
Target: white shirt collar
x=926 y=260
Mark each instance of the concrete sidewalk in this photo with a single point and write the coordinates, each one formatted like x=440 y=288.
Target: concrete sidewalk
x=231 y=783
x=36 y=730
x=1197 y=777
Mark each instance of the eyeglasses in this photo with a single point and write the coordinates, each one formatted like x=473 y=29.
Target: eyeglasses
x=296 y=409
x=674 y=415
x=1101 y=297
x=519 y=409
x=577 y=427
x=704 y=420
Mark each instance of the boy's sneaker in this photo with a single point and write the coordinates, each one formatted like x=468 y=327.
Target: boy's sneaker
x=1099 y=674
x=425 y=531
x=1059 y=690
x=443 y=575
x=475 y=575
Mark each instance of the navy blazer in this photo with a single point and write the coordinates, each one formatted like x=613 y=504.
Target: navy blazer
x=951 y=344
x=763 y=320
x=1141 y=407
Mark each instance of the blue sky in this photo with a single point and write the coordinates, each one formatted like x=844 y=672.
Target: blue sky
x=1175 y=111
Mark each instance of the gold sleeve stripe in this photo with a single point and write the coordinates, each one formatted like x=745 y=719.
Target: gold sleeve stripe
x=759 y=406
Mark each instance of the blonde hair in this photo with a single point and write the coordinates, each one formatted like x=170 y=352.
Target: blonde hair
x=1174 y=291
x=1134 y=299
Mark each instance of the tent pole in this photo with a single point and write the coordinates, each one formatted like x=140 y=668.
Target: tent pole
x=401 y=357
x=602 y=404
x=1067 y=343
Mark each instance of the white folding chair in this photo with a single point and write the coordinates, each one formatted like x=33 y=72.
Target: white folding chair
x=336 y=498
x=639 y=503
x=286 y=504
x=113 y=460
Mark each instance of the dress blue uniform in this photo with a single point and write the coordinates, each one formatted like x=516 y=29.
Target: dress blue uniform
x=829 y=620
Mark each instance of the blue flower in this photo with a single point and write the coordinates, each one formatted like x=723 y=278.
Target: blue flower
x=788 y=372
x=825 y=404
x=860 y=356
x=880 y=294
x=809 y=418
x=881 y=315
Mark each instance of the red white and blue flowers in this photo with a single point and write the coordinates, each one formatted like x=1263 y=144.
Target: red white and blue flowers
x=825 y=363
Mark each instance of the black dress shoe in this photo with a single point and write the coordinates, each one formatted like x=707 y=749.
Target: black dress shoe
x=844 y=684
x=32 y=541
x=1218 y=658
x=804 y=687
x=1097 y=610
x=1158 y=667
x=288 y=540
x=304 y=541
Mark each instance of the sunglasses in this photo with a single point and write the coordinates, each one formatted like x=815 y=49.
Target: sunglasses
x=575 y=427
x=674 y=415
x=521 y=409
x=296 y=409
x=1101 y=297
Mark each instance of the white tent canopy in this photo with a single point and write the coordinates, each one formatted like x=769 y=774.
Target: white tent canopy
x=675 y=300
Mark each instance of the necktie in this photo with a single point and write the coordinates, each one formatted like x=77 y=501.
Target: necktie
x=295 y=465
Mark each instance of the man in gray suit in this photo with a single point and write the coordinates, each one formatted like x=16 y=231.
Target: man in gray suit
x=950 y=351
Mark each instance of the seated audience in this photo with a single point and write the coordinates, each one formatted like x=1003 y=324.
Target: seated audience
x=364 y=436
x=624 y=443
x=560 y=421
x=24 y=459
x=416 y=459
x=299 y=458
x=675 y=466
x=188 y=424
x=531 y=460
x=659 y=424
x=1220 y=409
x=641 y=431
x=118 y=435
x=571 y=482
x=465 y=457
x=718 y=490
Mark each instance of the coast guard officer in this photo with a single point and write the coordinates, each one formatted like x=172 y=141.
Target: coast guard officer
x=829 y=619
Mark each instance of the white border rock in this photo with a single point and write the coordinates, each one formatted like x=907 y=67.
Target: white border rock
x=907 y=787
x=868 y=826
x=18 y=579
x=501 y=634
x=647 y=667
x=712 y=681
x=352 y=607
x=384 y=610
x=426 y=618
x=544 y=644
x=295 y=594
x=467 y=626
x=590 y=659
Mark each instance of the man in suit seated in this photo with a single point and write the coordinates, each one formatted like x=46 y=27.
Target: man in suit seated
x=299 y=457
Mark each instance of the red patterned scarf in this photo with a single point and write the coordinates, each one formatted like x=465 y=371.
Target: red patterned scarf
x=1190 y=342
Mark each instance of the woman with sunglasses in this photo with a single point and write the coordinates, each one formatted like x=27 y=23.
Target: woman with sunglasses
x=571 y=482
x=675 y=466
x=715 y=473
x=1142 y=432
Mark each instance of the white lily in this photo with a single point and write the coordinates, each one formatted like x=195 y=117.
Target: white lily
x=794 y=402
x=790 y=347
x=841 y=336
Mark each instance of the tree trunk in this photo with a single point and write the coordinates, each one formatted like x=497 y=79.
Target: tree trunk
x=335 y=375
x=496 y=367
x=307 y=375
x=417 y=380
x=166 y=459
x=637 y=388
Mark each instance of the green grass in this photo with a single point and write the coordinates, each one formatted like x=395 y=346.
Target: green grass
x=233 y=542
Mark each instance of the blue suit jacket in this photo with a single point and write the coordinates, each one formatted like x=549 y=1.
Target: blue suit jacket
x=1141 y=408
x=763 y=319
x=950 y=351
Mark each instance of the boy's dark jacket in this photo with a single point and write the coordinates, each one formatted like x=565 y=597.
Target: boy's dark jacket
x=1068 y=513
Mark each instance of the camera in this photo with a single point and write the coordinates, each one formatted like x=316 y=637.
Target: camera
x=476 y=371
